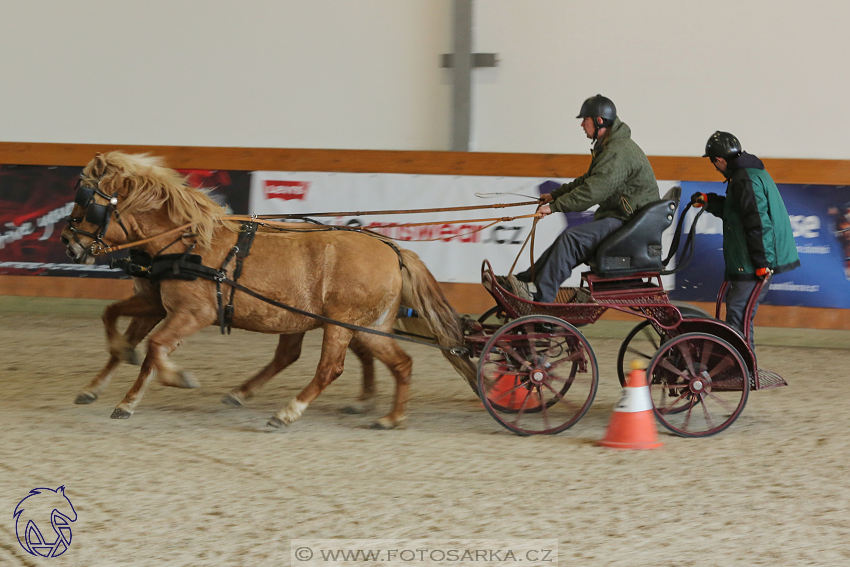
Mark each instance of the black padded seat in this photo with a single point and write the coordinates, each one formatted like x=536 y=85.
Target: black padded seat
x=636 y=246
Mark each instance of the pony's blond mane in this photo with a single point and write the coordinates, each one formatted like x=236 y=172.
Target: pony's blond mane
x=145 y=184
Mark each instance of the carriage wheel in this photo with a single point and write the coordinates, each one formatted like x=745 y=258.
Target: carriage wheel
x=698 y=383
x=494 y=315
x=537 y=375
x=641 y=343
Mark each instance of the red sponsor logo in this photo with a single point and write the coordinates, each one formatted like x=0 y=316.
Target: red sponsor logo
x=286 y=190
x=446 y=232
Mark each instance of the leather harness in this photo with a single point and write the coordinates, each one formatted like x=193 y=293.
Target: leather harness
x=189 y=267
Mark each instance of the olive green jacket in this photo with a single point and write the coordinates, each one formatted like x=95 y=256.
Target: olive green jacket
x=619 y=180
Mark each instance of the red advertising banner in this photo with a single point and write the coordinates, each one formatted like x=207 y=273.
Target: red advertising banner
x=35 y=202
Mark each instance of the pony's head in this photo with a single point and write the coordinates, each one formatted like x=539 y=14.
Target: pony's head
x=124 y=197
x=93 y=212
x=45 y=507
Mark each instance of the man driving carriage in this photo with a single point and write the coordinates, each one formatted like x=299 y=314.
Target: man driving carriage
x=619 y=180
x=757 y=236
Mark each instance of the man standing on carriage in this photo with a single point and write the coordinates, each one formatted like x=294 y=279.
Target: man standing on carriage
x=619 y=180
x=757 y=236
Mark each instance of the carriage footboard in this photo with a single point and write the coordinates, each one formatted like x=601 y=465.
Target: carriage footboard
x=767 y=379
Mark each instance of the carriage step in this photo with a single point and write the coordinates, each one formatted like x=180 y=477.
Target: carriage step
x=768 y=379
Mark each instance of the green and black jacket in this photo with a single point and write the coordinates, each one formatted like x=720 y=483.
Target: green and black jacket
x=757 y=232
x=619 y=180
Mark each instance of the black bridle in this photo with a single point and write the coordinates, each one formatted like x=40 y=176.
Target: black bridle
x=96 y=214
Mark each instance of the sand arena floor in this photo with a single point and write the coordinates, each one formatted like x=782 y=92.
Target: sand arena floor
x=190 y=481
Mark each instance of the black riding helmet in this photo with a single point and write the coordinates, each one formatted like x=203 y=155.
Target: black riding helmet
x=598 y=106
x=722 y=145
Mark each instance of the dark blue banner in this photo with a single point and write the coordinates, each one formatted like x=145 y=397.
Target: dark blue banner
x=820 y=217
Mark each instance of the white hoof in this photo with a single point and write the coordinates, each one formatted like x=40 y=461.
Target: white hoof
x=292 y=412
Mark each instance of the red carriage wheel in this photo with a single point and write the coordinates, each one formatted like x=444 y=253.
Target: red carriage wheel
x=698 y=383
x=644 y=340
x=641 y=343
x=537 y=375
x=494 y=315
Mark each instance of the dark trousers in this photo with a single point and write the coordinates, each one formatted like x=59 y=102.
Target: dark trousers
x=736 y=304
x=573 y=247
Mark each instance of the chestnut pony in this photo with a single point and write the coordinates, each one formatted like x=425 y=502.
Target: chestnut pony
x=351 y=277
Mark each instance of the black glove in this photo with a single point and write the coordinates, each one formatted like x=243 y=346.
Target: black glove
x=699 y=199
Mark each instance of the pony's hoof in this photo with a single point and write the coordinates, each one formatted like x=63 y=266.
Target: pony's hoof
x=121 y=413
x=232 y=400
x=387 y=423
x=85 y=398
x=290 y=414
x=276 y=422
x=359 y=407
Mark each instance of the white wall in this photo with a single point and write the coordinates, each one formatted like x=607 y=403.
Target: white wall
x=267 y=73
x=364 y=73
x=773 y=72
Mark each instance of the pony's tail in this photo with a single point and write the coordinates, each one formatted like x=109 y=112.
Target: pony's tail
x=421 y=292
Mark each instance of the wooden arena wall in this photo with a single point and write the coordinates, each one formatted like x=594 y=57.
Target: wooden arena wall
x=468 y=298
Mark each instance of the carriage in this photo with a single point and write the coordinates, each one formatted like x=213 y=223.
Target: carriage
x=538 y=374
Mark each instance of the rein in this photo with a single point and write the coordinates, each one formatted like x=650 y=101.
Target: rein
x=458 y=351
x=531 y=250
x=371 y=228
x=399 y=211
x=100 y=249
x=690 y=241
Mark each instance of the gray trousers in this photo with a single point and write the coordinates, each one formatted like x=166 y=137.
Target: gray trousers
x=736 y=304
x=573 y=247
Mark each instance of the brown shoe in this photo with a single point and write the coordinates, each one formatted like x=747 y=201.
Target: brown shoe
x=519 y=288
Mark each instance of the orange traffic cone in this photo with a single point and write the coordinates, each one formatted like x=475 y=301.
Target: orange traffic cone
x=633 y=423
x=507 y=393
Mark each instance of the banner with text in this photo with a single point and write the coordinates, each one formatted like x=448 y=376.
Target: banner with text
x=452 y=251
x=820 y=218
x=34 y=201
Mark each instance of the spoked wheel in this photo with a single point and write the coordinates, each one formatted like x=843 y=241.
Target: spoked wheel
x=698 y=383
x=537 y=375
x=641 y=343
x=495 y=315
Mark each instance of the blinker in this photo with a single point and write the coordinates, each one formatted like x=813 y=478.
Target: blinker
x=84 y=195
x=96 y=214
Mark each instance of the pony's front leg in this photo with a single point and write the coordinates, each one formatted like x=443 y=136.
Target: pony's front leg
x=94 y=388
x=121 y=348
x=125 y=346
x=331 y=364
x=125 y=409
x=146 y=310
x=366 y=401
x=288 y=350
x=160 y=344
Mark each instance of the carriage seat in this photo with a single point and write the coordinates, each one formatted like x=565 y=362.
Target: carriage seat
x=636 y=246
